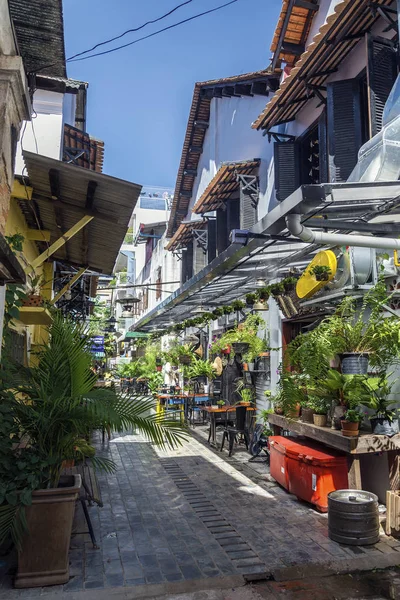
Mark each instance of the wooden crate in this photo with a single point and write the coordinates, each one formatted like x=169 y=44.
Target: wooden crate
x=393 y=512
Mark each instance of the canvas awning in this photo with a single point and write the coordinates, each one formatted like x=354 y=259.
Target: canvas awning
x=268 y=250
x=62 y=195
x=184 y=234
x=340 y=33
x=224 y=184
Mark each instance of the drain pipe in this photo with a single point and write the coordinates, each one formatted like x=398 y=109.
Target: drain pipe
x=296 y=228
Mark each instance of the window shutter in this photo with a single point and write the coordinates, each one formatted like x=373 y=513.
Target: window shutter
x=222 y=230
x=381 y=75
x=323 y=149
x=233 y=210
x=287 y=169
x=212 y=239
x=248 y=212
x=344 y=127
x=187 y=262
x=199 y=257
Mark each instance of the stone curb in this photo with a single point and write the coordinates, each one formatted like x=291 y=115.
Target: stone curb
x=337 y=567
x=142 y=592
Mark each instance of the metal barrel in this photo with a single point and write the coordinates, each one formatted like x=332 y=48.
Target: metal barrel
x=353 y=517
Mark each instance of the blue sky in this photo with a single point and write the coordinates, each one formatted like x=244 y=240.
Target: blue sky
x=139 y=97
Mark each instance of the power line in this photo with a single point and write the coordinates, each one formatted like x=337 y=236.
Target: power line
x=207 y=12
x=117 y=37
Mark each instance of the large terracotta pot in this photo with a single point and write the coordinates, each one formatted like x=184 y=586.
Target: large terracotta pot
x=294 y=412
x=43 y=559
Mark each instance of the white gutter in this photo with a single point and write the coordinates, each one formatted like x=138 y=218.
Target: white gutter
x=296 y=228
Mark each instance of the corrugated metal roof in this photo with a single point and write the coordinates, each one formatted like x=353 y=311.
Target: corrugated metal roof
x=39 y=29
x=184 y=234
x=224 y=184
x=335 y=39
x=195 y=135
x=96 y=245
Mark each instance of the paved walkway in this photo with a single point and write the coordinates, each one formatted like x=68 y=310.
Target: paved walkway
x=192 y=514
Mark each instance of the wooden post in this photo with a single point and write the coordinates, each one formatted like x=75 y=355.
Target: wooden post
x=394 y=469
x=354 y=472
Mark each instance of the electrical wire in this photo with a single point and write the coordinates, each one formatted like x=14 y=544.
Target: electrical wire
x=146 y=37
x=117 y=37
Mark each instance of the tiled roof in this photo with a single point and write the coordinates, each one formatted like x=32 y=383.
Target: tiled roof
x=258 y=82
x=184 y=234
x=222 y=186
x=295 y=21
x=335 y=39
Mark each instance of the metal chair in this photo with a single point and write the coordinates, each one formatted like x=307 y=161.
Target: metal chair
x=239 y=429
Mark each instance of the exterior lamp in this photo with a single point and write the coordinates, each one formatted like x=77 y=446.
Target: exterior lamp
x=260 y=282
x=260 y=306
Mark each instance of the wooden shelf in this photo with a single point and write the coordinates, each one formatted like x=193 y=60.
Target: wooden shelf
x=363 y=444
x=35 y=315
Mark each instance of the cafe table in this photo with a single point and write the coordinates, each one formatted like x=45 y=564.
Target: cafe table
x=214 y=412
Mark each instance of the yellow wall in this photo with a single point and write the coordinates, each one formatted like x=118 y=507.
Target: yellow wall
x=16 y=224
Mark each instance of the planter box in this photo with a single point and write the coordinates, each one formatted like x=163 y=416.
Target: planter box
x=43 y=559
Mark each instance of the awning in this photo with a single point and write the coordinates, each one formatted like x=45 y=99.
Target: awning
x=63 y=194
x=129 y=335
x=266 y=253
x=184 y=234
x=149 y=230
x=224 y=184
x=292 y=30
x=342 y=31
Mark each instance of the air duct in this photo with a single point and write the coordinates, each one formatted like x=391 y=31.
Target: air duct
x=296 y=228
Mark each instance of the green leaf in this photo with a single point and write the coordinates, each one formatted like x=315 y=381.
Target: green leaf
x=12 y=497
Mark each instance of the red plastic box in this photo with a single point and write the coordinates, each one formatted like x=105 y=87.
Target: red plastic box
x=308 y=470
x=278 y=463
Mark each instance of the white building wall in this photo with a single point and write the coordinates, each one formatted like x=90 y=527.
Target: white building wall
x=42 y=135
x=7 y=45
x=229 y=138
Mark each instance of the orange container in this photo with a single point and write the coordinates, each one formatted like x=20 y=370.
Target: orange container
x=278 y=464
x=314 y=471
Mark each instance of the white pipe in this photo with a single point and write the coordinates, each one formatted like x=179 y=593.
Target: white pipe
x=294 y=225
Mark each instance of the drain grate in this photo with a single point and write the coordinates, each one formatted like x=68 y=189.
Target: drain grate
x=244 y=558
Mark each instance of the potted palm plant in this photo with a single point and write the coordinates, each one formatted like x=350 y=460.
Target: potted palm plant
x=53 y=408
x=321 y=272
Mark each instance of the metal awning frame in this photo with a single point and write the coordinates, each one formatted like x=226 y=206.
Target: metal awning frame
x=232 y=274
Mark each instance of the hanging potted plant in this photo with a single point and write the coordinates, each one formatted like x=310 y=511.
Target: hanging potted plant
x=251 y=298
x=277 y=289
x=289 y=284
x=321 y=272
x=351 y=423
x=33 y=297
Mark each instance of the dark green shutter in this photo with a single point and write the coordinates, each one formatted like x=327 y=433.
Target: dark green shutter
x=212 y=239
x=323 y=148
x=248 y=211
x=187 y=262
x=381 y=75
x=344 y=127
x=287 y=169
x=222 y=230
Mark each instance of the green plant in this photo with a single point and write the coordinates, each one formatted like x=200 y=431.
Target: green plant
x=227 y=309
x=263 y=417
x=320 y=406
x=289 y=283
x=15 y=241
x=238 y=305
x=320 y=272
x=378 y=390
x=201 y=368
x=218 y=312
x=367 y=330
x=221 y=403
x=246 y=333
x=246 y=394
x=264 y=293
x=251 y=298
x=54 y=407
x=277 y=289
x=353 y=416
x=346 y=390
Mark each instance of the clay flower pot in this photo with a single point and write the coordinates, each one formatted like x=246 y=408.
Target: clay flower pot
x=43 y=558
x=33 y=300
x=294 y=413
x=320 y=420
x=350 y=429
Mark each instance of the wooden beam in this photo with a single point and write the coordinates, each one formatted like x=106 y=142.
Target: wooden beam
x=58 y=243
x=38 y=235
x=69 y=285
x=306 y=4
x=20 y=191
x=291 y=48
x=90 y=192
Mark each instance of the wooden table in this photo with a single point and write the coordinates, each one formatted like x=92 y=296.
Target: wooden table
x=365 y=443
x=213 y=412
